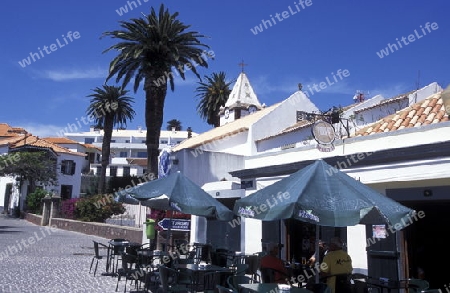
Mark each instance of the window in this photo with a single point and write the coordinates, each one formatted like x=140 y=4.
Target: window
x=89 y=140
x=66 y=192
x=68 y=167
x=142 y=141
x=113 y=171
x=142 y=154
x=123 y=154
x=126 y=171
x=113 y=140
x=164 y=141
x=127 y=141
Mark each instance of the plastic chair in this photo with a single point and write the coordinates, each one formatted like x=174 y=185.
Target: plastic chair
x=97 y=255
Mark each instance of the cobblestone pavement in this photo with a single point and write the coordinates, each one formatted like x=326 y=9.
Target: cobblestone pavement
x=42 y=259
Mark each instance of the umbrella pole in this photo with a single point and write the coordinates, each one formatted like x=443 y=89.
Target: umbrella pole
x=316 y=253
x=139 y=217
x=169 y=232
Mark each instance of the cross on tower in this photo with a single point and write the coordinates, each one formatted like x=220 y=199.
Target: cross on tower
x=242 y=64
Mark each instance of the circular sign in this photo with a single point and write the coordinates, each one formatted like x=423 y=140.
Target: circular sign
x=323 y=132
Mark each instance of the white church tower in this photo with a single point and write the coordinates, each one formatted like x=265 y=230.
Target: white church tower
x=241 y=102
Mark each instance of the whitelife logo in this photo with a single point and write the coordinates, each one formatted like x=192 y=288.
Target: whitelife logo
x=53 y=47
x=130 y=5
x=411 y=38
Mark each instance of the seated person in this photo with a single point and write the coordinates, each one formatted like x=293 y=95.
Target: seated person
x=337 y=262
x=322 y=252
x=271 y=260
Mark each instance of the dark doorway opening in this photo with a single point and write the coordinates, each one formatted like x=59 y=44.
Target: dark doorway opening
x=426 y=243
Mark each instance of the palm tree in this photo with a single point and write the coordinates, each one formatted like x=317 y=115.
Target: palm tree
x=174 y=123
x=212 y=94
x=109 y=106
x=150 y=48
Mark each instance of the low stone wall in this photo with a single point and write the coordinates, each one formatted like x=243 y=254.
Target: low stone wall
x=98 y=229
x=33 y=218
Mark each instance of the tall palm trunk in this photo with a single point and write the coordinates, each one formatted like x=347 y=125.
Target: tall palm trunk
x=154 y=116
x=106 y=151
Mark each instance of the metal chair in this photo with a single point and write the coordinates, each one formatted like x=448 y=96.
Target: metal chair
x=130 y=271
x=361 y=284
x=416 y=285
x=234 y=281
x=171 y=281
x=241 y=269
x=97 y=255
x=117 y=248
x=253 y=264
x=342 y=283
x=222 y=289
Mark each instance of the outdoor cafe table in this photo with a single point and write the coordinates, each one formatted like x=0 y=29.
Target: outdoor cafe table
x=269 y=287
x=197 y=270
x=153 y=257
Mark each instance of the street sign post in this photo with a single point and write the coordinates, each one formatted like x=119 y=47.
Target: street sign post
x=177 y=224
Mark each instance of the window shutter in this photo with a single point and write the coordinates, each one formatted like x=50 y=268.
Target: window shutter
x=73 y=168
x=63 y=167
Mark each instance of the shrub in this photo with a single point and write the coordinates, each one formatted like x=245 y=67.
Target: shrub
x=68 y=208
x=34 y=201
x=88 y=209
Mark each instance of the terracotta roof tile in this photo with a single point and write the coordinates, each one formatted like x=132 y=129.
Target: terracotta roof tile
x=403 y=115
x=7 y=131
x=428 y=111
x=60 y=140
x=405 y=122
x=137 y=161
x=31 y=140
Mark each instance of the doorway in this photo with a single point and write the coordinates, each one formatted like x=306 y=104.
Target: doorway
x=426 y=243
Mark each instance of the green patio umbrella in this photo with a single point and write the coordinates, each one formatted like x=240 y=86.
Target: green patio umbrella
x=176 y=192
x=321 y=194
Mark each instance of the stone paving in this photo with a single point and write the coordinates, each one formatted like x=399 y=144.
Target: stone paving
x=42 y=259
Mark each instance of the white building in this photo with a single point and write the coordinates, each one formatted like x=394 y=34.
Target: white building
x=68 y=166
x=128 y=148
x=405 y=146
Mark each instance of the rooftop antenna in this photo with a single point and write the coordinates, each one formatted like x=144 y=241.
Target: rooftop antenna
x=418 y=80
x=242 y=64
x=417 y=86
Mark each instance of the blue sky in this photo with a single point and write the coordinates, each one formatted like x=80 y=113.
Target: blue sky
x=297 y=42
